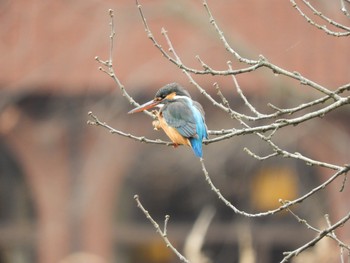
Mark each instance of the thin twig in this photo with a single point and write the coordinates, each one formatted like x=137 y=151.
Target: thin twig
x=333 y=98
x=323 y=17
x=344 y=9
x=258 y=157
x=162 y=233
x=322 y=234
x=241 y=94
x=224 y=41
x=274 y=211
x=108 y=64
x=344 y=180
x=96 y=122
x=263 y=62
x=309 y=226
x=280 y=123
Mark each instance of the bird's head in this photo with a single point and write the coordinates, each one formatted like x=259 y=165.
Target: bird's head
x=165 y=94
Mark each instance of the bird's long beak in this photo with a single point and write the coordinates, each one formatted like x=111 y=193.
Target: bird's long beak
x=145 y=106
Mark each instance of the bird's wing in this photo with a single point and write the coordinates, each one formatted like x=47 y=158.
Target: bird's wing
x=201 y=110
x=199 y=107
x=179 y=115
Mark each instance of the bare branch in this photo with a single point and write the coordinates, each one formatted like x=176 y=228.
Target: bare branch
x=280 y=123
x=162 y=233
x=246 y=102
x=108 y=64
x=309 y=226
x=260 y=158
x=223 y=39
x=322 y=234
x=323 y=17
x=97 y=122
x=343 y=8
x=329 y=99
x=263 y=62
x=217 y=191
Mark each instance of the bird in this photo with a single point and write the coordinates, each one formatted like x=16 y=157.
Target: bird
x=181 y=118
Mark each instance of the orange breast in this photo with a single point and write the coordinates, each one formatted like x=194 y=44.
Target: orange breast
x=172 y=133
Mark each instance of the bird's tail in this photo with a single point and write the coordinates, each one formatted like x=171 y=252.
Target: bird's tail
x=196 y=145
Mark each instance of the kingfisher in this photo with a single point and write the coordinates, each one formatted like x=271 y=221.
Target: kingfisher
x=181 y=118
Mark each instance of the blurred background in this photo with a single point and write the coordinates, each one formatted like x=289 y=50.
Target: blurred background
x=66 y=188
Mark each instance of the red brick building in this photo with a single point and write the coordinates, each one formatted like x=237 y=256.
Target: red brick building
x=67 y=188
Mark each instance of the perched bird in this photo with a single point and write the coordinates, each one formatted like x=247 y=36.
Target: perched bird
x=181 y=118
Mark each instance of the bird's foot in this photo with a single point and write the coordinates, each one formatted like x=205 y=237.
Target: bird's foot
x=156 y=125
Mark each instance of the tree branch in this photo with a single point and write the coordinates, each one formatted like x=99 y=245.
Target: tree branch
x=323 y=17
x=162 y=233
x=269 y=123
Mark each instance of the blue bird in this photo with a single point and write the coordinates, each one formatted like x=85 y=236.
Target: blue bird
x=180 y=117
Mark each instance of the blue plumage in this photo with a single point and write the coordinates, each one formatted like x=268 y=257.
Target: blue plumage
x=187 y=117
x=181 y=118
x=201 y=130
